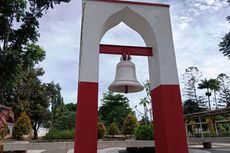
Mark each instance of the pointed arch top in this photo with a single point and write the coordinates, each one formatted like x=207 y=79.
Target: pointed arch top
x=133 y=20
x=132 y=2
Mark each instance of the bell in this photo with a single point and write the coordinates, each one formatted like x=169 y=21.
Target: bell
x=125 y=79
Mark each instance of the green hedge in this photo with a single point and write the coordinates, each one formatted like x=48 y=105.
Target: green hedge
x=57 y=134
x=144 y=132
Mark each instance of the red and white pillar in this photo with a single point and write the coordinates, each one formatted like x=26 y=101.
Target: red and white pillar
x=169 y=129
x=170 y=136
x=87 y=100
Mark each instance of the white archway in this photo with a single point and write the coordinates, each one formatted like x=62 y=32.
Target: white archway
x=152 y=22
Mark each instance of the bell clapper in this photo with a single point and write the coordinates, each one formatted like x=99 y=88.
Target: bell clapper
x=126 y=89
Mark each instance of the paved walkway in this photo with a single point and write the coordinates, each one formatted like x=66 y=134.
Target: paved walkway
x=216 y=148
x=122 y=150
x=113 y=150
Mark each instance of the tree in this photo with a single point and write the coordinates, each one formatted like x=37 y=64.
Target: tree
x=191 y=78
x=115 y=108
x=206 y=84
x=18 y=48
x=225 y=43
x=113 y=129
x=55 y=99
x=22 y=126
x=71 y=107
x=215 y=86
x=146 y=101
x=144 y=132
x=9 y=81
x=224 y=88
x=20 y=87
x=130 y=123
x=66 y=121
x=191 y=106
x=101 y=130
x=32 y=97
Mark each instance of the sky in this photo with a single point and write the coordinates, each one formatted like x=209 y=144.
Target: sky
x=198 y=26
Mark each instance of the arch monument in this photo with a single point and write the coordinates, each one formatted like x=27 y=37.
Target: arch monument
x=152 y=22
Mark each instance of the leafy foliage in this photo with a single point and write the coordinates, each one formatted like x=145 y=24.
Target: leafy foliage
x=215 y=86
x=4 y=130
x=191 y=106
x=60 y=134
x=56 y=101
x=225 y=43
x=206 y=84
x=20 y=87
x=32 y=97
x=71 y=107
x=22 y=126
x=18 y=48
x=144 y=132
x=113 y=129
x=66 y=121
x=210 y=85
x=115 y=108
x=130 y=123
x=145 y=102
x=210 y=122
x=101 y=130
x=191 y=78
x=224 y=88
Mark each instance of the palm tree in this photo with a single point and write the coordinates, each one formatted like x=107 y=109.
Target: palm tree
x=206 y=84
x=144 y=102
x=214 y=86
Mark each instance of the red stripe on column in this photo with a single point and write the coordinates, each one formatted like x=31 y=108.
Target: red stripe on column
x=170 y=135
x=86 y=118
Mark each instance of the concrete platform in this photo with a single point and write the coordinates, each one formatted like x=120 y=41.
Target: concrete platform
x=122 y=150
x=107 y=150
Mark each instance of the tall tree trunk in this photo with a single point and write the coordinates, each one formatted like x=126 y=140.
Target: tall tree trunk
x=7 y=34
x=194 y=90
x=35 y=134
x=209 y=103
x=215 y=99
x=35 y=131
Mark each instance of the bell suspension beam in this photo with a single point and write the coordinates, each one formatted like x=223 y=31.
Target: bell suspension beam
x=121 y=50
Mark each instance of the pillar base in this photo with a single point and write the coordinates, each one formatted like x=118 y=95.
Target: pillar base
x=169 y=129
x=87 y=117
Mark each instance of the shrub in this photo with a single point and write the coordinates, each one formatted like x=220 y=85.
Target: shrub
x=4 y=131
x=22 y=126
x=210 y=125
x=113 y=129
x=144 y=132
x=57 y=134
x=101 y=130
x=66 y=121
x=130 y=122
x=224 y=134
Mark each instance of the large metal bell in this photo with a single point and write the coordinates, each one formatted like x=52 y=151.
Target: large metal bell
x=125 y=79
